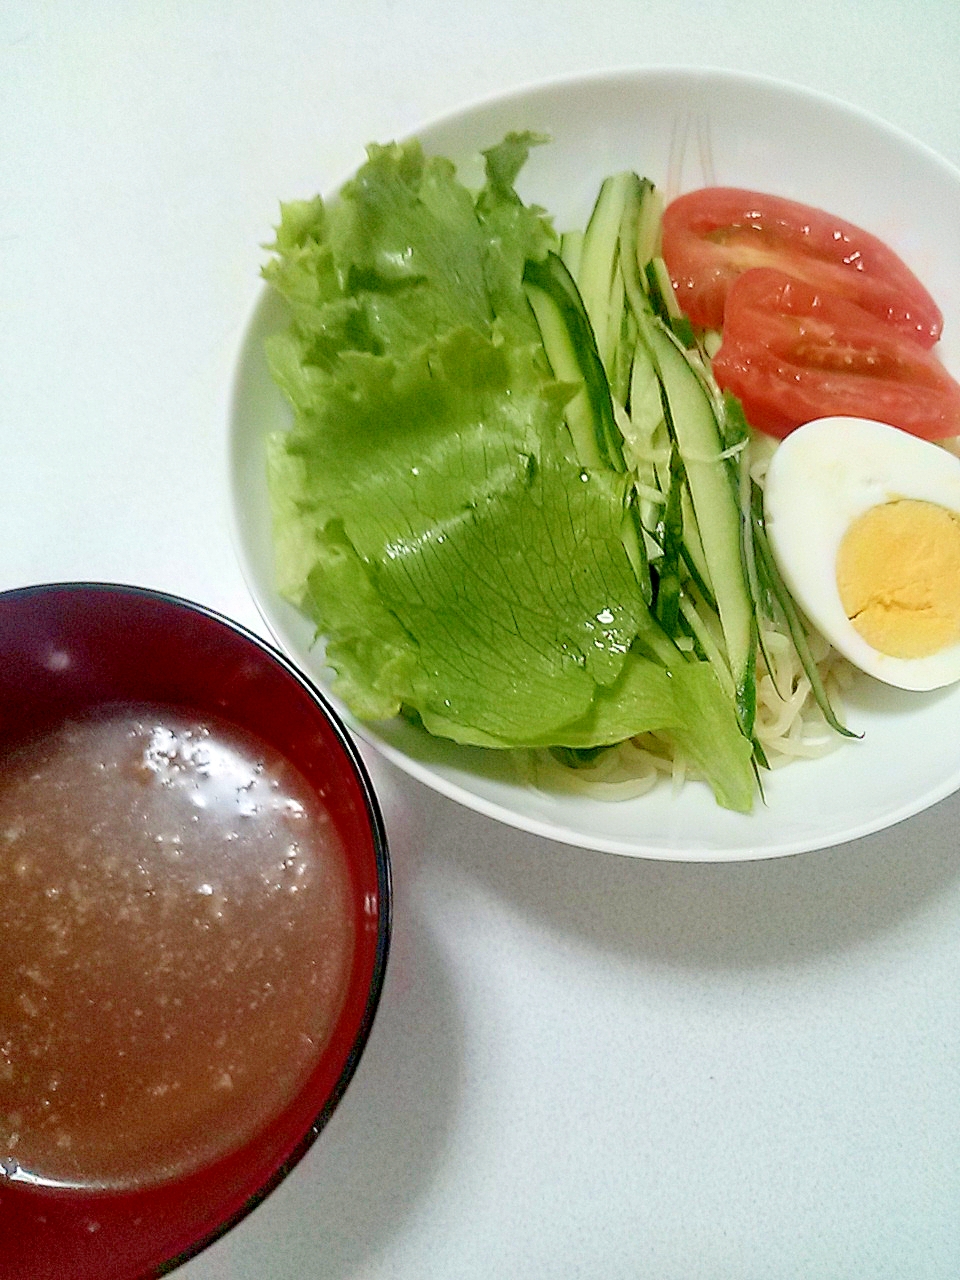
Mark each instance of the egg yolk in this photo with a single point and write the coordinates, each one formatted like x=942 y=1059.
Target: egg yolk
x=898 y=573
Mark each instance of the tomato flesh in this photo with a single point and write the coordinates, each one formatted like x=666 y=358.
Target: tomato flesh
x=792 y=352
x=712 y=235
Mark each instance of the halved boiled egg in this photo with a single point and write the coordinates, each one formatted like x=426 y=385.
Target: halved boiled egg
x=864 y=522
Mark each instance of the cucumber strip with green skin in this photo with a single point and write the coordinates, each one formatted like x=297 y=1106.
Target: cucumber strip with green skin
x=668 y=588
x=752 y=571
x=694 y=574
x=656 y=270
x=645 y=413
x=598 y=276
x=705 y=640
x=693 y=553
x=653 y=642
x=689 y=548
x=794 y=622
x=616 y=314
x=571 y=248
x=644 y=406
x=569 y=343
x=621 y=372
x=651 y=287
x=641 y=218
x=768 y=588
x=693 y=424
x=735 y=431
x=742 y=555
x=763 y=577
x=647 y=221
x=571 y=350
x=682 y=330
x=665 y=305
x=708 y=615
x=631 y=535
x=638 y=197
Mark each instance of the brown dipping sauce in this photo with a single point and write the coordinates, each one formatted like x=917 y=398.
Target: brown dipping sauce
x=176 y=934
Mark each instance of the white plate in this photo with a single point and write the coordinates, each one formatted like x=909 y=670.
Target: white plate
x=736 y=130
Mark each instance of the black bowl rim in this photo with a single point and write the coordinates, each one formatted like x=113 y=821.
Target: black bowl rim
x=381 y=855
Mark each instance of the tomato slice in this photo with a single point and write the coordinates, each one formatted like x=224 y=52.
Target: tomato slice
x=792 y=352
x=711 y=236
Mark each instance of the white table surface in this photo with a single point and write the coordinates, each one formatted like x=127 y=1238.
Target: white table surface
x=583 y=1065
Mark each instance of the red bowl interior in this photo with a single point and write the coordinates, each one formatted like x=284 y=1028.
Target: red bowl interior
x=67 y=647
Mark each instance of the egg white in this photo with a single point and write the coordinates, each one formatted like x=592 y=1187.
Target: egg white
x=820 y=479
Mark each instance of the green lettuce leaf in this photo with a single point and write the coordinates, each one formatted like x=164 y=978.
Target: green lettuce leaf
x=429 y=515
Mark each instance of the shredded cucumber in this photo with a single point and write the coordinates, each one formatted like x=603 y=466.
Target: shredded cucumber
x=645 y=402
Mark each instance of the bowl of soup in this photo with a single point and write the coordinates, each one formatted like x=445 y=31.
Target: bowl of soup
x=194 y=926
